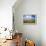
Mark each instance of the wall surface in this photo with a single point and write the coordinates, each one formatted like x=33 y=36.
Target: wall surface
x=43 y=13
x=6 y=13
x=34 y=31
x=6 y=19
x=6 y=16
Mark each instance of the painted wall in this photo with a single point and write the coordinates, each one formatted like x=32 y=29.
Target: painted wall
x=6 y=13
x=29 y=7
x=6 y=19
x=6 y=16
x=43 y=13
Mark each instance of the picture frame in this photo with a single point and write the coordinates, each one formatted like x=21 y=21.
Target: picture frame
x=29 y=19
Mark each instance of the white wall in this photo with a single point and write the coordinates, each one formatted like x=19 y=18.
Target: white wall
x=6 y=13
x=37 y=31
x=6 y=18
x=43 y=11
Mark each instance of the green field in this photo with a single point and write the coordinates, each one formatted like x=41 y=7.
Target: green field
x=29 y=21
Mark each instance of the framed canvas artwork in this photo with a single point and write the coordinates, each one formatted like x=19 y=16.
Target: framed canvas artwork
x=29 y=19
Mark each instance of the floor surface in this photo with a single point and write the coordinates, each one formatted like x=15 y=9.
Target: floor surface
x=9 y=43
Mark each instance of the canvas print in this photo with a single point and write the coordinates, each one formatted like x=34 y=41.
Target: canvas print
x=29 y=19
